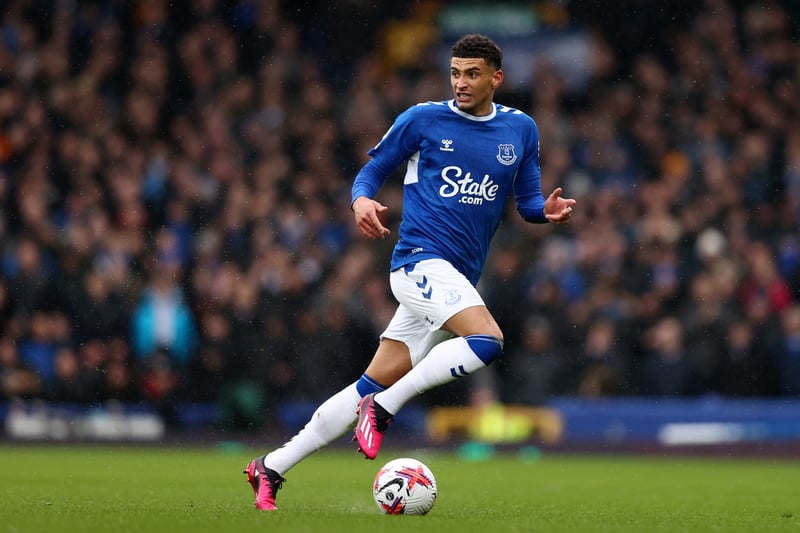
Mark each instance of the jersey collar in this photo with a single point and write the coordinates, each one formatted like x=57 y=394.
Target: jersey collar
x=454 y=108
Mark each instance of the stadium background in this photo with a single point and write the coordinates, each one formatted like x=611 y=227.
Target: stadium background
x=177 y=240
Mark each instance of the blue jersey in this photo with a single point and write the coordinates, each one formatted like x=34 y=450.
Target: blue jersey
x=460 y=172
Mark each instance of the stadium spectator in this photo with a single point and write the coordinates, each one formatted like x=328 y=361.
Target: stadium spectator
x=17 y=380
x=667 y=369
x=73 y=383
x=789 y=359
x=119 y=374
x=534 y=370
x=162 y=324
x=603 y=367
x=27 y=277
x=38 y=347
x=744 y=369
x=706 y=319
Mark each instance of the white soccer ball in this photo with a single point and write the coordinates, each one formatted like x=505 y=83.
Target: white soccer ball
x=404 y=486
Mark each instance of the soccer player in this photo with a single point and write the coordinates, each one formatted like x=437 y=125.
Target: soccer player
x=464 y=158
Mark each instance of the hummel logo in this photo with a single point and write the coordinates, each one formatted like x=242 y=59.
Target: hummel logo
x=446 y=145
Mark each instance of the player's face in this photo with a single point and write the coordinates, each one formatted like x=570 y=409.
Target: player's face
x=474 y=82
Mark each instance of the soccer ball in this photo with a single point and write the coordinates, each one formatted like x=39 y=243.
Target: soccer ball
x=404 y=486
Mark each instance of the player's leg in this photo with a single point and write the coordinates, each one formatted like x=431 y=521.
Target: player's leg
x=477 y=343
x=444 y=304
x=447 y=361
x=332 y=419
x=444 y=299
x=391 y=361
x=335 y=417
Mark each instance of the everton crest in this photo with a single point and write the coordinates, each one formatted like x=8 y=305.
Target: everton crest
x=506 y=154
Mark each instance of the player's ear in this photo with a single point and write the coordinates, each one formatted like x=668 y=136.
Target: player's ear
x=497 y=79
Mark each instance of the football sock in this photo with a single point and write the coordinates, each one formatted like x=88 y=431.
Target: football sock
x=366 y=385
x=335 y=417
x=445 y=362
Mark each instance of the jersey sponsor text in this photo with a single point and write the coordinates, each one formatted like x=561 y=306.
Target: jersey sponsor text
x=473 y=192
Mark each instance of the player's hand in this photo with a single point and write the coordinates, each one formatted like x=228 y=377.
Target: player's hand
x=558 y=210
x=370 y=217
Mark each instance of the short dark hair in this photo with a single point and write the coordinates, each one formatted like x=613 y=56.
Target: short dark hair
x=480 y=46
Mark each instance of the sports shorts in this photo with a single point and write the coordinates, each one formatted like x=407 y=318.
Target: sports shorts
x=429 y=293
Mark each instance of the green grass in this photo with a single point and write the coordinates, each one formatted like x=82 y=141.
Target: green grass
x=122 y=489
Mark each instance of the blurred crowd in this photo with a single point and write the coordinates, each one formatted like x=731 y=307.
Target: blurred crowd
x=175 y=185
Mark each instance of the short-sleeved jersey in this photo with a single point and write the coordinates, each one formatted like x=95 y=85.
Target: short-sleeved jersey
x=460 y=172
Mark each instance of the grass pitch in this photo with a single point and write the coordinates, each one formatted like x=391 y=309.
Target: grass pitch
x=51 y=488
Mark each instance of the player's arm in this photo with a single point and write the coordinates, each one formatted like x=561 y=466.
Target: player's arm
x=531 y=204
x=369 y=214
x=396 y=146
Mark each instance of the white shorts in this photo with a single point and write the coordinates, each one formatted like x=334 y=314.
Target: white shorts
x=429 y=293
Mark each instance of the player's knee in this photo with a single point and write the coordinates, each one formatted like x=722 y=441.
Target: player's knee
x=486 y=347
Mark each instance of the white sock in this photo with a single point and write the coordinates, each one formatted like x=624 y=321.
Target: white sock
x=330 y=421
x=447 y=361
